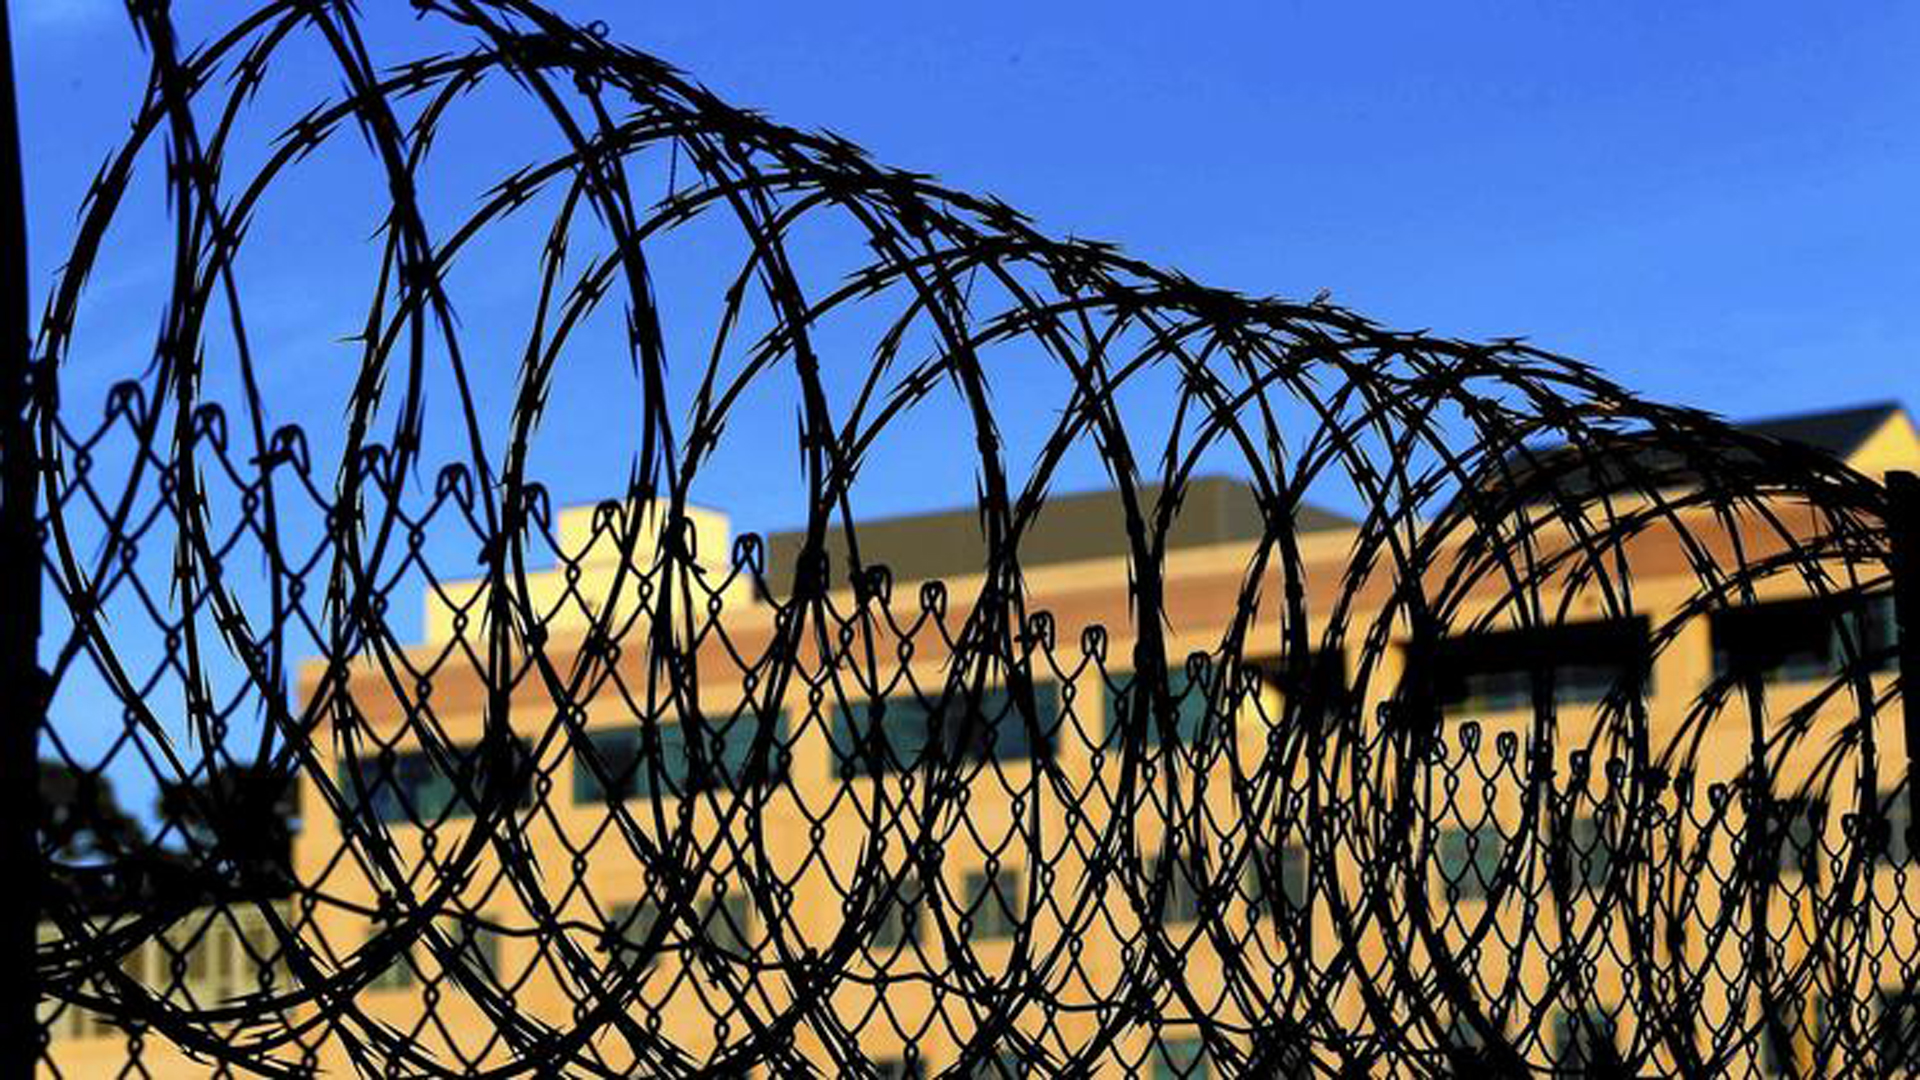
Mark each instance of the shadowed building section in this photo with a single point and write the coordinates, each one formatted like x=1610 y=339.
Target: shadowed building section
x=1868 y=438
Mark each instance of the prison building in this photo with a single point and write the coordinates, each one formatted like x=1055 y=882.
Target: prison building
x=705 y=826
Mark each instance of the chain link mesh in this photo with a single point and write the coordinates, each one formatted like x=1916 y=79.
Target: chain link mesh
x=1533 y=765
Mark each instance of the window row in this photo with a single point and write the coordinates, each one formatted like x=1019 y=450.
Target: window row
x=1276 y=885
x=208 y=958
x=1582 y=663
x=995 y=904
x=476 y=948
x=651 y=761
x=1786 y=840
x=1586 y=1042
x=419 y=786
x=1170 y=1059
x=1493 y=671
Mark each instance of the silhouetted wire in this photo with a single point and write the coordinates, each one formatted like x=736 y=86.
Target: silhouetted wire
x=1502 y=488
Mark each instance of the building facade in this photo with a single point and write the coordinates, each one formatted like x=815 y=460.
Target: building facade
x=599 y=834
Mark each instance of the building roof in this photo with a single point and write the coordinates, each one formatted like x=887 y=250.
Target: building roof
x=1069 y=528
x=1838 y=432
x=1642 y=461
x=1221 y=509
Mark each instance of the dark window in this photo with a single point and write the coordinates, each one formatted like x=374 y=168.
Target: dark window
x=1470 y=859
x=1676 y=936
x=1317 y=684
x=673 y=768
x=995 y=902
x=1180 y=1059
x=1181 y=901
x=629 y=928
x=1277 y=1054
x=727 y=921
x=899 y=738
x=1281 y=869
x=1585 y=857
x=1191 y=719
x=1796 y=640
x=397 y=975
x=627 y=765
x=1004 y=1065
x=731 y=757
x=1777 y=1029
x=1585 y=662
x=1467 y=1044
x=892 y=741
x=397 y=787
x=899 y=1068
x=899 y=920
x=1817 y=1035
x=1463 y=1035
x=1899 y=1033
x=1892 y=831
x=475 y=947
x=1584 y=1044
x=1790 y=840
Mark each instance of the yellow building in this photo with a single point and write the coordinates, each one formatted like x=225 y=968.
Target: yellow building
x=694 y=853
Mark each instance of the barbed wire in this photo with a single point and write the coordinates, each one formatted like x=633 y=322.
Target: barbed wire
x=629 y=807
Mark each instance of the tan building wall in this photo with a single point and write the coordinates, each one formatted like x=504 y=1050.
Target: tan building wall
x=815 y=827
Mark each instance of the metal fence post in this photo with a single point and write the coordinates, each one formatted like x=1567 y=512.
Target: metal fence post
x=23 y=703
x=1903 y=533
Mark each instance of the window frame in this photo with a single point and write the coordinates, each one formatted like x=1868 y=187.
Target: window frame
x=1184 y=900
x=899 y=739
x=981 y=889
x=1747 y=638
x=1194 y=1063
x=1579 y=1035
x=397 y=787
x=1890 y=1037
x=1475 y=854
x=1491 y=670
x=629 y=923
x=621 y=751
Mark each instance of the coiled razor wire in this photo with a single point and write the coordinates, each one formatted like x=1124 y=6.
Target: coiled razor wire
x=1051 y=877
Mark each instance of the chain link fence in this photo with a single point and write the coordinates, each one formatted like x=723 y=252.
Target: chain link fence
x=1572 y=748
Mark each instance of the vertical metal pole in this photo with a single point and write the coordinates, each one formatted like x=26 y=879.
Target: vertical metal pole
x=1903 y=534
x=22 y=699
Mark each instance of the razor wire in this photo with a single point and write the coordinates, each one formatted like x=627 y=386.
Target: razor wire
x=628 y=808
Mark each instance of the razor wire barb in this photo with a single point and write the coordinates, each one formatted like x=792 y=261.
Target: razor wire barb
x=638 y=802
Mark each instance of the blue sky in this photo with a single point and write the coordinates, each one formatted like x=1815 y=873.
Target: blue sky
x=1716 y=210
x=1714 y=204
